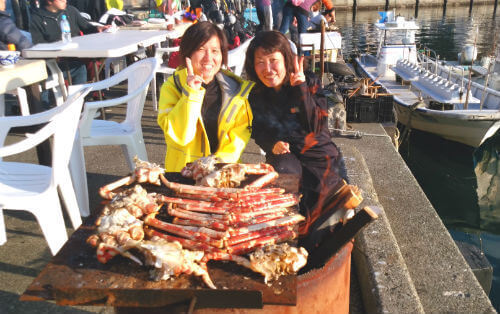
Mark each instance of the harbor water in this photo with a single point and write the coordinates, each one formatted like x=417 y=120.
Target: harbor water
x=446 y=170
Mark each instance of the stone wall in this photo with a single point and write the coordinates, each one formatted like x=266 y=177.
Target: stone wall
x=365 y=4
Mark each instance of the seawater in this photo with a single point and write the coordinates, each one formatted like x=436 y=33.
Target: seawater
x=444 y=169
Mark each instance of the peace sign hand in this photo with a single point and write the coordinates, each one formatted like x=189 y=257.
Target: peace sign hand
x=193 y=81
x=298 y=77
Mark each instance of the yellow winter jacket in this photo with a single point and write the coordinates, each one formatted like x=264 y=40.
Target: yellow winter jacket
x=179 y=116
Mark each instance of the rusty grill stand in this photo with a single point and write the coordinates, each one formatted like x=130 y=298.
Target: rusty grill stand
x=75 y=277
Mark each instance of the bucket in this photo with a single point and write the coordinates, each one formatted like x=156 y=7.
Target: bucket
x=321 y=290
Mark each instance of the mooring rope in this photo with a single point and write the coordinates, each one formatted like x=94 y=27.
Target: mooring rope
x=357 y=133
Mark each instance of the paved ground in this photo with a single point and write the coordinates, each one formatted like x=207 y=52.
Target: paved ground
x=26 y=252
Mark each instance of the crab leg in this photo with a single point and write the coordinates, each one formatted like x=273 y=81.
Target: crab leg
x=208 y=210
x=106 y=252
x=251 y=245
x=255 y=234
x=264 y=180
x=260 y=203
x=186 y=214
x=269 y=206
x=259 y=219
x=200 y=271
x=244 y=217
x=107 y=190
x=186 y=243
x=226 y=193
x=261 y=168
x=245 y=194
x=285 y=221
x=191 y=233
x=177 y=200
x=223 y=256
x=199 y=197
x=201 y=223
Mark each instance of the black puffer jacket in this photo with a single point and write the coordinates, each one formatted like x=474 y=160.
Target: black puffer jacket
x=45 y=26
x=296 y=116
x=10 y=34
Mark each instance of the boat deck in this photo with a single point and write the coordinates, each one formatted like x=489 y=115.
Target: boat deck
x=401 y=93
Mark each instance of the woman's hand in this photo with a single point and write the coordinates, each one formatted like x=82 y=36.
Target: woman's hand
x=193 y=81
x=101 y=29
x=298 y=77
x=281 y=148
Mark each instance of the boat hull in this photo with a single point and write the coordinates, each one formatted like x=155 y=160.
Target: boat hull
x=465 y=129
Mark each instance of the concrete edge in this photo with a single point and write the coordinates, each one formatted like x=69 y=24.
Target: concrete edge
x=385 y=282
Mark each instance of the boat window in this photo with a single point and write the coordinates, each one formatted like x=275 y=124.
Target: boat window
x=399 y=37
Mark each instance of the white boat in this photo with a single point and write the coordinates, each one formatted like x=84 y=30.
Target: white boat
x=423 y=99
x=484 y=70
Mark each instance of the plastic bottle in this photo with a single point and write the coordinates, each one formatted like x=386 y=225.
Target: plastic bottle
x=65 y=29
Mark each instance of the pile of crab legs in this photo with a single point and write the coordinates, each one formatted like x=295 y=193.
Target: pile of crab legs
x=208 y=224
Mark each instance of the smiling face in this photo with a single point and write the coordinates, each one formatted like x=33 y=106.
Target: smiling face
x=207 y=59
x=270 y=68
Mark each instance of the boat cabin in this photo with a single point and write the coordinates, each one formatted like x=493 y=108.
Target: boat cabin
x=396 y=42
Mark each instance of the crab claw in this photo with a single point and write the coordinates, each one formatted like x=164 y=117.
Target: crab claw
x=106 y=252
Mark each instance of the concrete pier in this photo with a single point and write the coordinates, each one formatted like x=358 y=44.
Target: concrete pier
x=405 y=262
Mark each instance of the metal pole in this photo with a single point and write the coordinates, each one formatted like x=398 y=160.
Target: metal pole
x=495 y=8
x=444 y=7
x=416 y=8
x=386 y=5
x=354 y=9
x=470 y=6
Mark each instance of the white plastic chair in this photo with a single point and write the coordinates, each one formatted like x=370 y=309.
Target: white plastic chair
x=127 y=133
x=34 y=188
x=161 y=68
x=22 y=99
x=236 y=57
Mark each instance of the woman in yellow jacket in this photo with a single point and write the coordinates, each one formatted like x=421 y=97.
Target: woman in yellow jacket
x=204 y=110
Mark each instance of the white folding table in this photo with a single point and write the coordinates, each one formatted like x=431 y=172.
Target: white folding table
x=96 y=46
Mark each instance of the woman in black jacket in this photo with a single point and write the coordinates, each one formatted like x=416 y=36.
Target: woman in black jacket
x=290 y=121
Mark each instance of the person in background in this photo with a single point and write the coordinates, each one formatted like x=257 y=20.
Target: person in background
x=169 y=7
x=290 y=121
x=327 y=16
x=264 y=14
x=203 y=110
x=9 y=33
x=45 y=28
x=301 y=13
x=277 y=8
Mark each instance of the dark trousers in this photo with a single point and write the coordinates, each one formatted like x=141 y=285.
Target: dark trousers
x=78 y=72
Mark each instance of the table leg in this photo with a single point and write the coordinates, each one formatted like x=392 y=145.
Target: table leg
x=96 y=79
x=2 y=105
x=54 y=68
x=43 y=150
